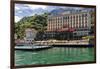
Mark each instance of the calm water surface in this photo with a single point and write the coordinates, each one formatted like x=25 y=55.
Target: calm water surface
x=54 y=55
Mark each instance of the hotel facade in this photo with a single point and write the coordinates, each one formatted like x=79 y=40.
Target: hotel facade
x=68 y=26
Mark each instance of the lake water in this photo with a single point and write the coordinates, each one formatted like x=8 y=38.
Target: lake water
x=54 y=55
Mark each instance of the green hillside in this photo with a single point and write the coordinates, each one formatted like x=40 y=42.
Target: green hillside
x=38 y=22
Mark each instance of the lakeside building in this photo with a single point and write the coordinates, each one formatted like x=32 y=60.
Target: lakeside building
x=15 y=36
x=68 y=26
x=30 y=35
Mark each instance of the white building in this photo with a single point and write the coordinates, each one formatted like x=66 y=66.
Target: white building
x=80 y=21
x=30 y=35
x=15 y=36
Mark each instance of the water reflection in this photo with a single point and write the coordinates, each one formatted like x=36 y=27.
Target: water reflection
x=54 y=55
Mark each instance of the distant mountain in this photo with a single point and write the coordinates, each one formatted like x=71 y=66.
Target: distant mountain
x=39 y=11
x=25 y=10
x=68 y=10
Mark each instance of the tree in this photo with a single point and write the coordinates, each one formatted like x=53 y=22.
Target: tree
x=38 y=22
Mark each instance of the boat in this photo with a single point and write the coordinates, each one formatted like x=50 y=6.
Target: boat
x=32 y=47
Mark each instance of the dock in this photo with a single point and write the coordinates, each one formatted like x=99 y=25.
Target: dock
x=63 y=42
x=54 y=43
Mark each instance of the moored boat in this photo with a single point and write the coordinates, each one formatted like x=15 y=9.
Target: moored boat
x=32 y=47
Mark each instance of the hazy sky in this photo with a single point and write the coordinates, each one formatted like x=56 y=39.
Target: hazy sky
x=22 y=10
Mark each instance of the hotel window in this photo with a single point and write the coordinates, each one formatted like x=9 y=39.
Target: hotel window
x=53 y=20
x=85 y=18
x=48 y=19
x=73 y=21
x=77 y=19
x=82 y=25
x=60 y=20
x=82 y=15
x=82 y=19
x=64 y=19
x=49 y=27
x=68 y=17
x=57 y=20
x=85 y=15
x=86 y=25
x=86 y=22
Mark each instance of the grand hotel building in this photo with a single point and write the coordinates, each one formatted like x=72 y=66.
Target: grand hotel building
x=68 y=26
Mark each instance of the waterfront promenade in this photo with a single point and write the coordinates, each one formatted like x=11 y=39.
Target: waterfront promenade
x=63 y=42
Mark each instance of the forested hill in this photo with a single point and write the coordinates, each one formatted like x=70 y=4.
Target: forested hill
x=38 y=22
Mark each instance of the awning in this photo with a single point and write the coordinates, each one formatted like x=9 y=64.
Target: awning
x=67 y=30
